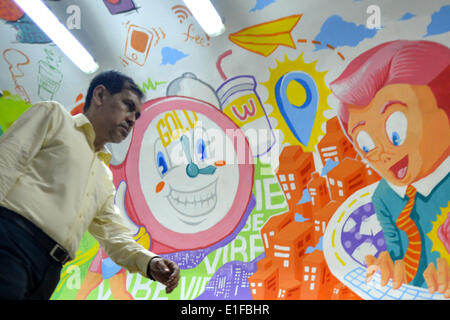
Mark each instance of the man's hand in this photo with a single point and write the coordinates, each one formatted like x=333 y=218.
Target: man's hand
x=165 y=271
x=438 y=280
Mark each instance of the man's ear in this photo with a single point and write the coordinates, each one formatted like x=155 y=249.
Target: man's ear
x=99 y=94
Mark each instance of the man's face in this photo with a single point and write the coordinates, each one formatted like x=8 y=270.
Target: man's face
x=401 y=132
x=120 y=114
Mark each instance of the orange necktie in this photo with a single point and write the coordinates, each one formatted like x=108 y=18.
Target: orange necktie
x=405 y=223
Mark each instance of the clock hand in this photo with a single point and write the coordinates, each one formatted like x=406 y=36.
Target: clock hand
x=185 y=144
x=207 y=170
x=192 y=169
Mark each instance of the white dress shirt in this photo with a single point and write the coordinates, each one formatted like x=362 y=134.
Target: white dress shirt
x=51 y=175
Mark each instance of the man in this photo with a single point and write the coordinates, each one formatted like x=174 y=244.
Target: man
x=395 y=107
x=55 y=184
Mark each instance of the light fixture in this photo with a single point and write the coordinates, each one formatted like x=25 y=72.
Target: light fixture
x=206 y=16
x=58 y=33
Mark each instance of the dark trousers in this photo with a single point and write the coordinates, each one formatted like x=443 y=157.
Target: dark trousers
x=27 y=271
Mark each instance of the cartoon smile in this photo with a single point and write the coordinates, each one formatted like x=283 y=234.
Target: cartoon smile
x=400 y=168
x=194 y=206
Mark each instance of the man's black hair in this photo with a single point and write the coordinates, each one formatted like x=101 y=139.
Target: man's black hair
x=114 y=82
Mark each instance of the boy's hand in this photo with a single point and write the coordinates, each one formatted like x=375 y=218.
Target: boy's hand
x=388 y=269
x=438 y=280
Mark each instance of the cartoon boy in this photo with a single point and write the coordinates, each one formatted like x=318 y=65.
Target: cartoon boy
x=395 y=108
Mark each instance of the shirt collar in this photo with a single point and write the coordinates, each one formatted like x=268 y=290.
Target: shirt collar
x=81 y=121
x=425 y=185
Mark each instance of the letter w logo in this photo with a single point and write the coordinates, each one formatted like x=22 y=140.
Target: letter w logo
x=246 y=112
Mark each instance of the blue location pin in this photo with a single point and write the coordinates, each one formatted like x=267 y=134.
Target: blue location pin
x=300 y=119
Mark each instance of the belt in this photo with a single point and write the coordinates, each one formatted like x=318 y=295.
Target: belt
x=57 y=252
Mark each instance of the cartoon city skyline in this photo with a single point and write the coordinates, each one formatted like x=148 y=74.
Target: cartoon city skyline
x=289 y=271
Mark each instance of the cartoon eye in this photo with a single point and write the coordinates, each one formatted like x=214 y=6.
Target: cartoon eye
x=161 y=163
x=364 y=141
x=201 y=149
x=162 y=160
x=396 y=126
x=203 y=145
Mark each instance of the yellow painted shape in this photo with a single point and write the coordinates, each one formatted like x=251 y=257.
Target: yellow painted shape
x=276 y=39
x=296 y=93
x=342 y=214
x=340 y=260
x=276 y=73
x=285 y=24
x=365 y=194
x=332 y=238
x=263 y=49
x=264 y=38
x=244 y=109
x=438 y=245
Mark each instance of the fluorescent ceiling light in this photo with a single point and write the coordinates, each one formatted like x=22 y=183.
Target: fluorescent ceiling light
x=59 y=34
x=206 y=15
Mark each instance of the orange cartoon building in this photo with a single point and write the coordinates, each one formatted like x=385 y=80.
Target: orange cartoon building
x=305 y=209
x=287 y=272
x=314 y=271
x=347 y=177
x=264 y=283
x=285 y=242
x=339 y=291
x=371 y=175
x=321 y=218
x=294 y=172
x=289 y=288
x=318 y=190
x=289 y=246
x=272 y=227
x=335 y=145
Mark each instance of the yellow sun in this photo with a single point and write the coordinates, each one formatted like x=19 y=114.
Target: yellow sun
x=438 y=245
x=296 y=95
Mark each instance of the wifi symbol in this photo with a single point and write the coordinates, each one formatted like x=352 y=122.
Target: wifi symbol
x=182 y=12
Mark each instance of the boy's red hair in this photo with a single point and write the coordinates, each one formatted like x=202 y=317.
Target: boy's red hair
x=395 y=62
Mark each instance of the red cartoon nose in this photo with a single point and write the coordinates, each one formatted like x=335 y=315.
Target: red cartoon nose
x=160 y=186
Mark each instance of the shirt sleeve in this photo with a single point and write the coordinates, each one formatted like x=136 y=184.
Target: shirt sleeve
x=117 y=240
x=21 y=142
x=390 y=230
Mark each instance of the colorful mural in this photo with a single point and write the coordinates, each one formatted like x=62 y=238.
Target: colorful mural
x=303 y=154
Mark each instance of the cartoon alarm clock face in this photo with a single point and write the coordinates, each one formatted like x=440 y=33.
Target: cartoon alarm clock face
x=189 y=171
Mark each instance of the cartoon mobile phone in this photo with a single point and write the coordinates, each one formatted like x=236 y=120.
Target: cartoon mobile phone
x=138 y=44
